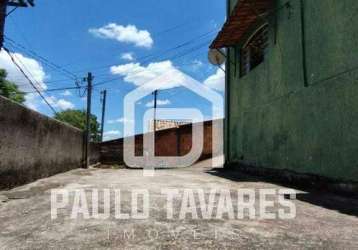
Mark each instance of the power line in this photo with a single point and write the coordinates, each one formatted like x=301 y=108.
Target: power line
x=193 y=49
x=137 y=72
x=148 y=57
x=43 y=59
x=83 y=87
x=183 y=44
x=97 y=84
x=28 y=71
x=156 y=35
x=170 y=29
x=56 y=89
x=52 y=82
x=32 y=84
x=64 y=80
x=11 y=11
x=48 y=63
x=161 y=53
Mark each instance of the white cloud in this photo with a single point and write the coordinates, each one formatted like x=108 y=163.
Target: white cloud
x=37 y=75
x=126 y=34
x=128 y=56
x=111 y=134
x=139 y=75
x=63 y=104
x=30 y=65
x=120 y=120
x=159 y=103
x=66 y=93
x=216 y=81
x=59 y=103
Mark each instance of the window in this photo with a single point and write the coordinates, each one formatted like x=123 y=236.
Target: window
x=253 y=52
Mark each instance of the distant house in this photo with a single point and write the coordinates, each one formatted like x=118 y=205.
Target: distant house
x=166 y=124
x=292 y=85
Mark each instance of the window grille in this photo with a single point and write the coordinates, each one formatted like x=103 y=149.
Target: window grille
x=253 y=53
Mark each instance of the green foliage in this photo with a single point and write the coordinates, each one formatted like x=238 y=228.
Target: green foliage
x=9 y=89
x=77 y=118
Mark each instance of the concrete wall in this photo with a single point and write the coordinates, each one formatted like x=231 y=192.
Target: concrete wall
x=169 y=142
x=275 y=121
x=95 y=153
x=34 y=146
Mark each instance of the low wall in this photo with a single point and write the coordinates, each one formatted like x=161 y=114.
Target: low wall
x=168 y=142
x=34 y=146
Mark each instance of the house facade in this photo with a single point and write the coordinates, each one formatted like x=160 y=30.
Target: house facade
x=292 y=85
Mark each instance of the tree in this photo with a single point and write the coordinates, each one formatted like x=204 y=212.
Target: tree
x=9 y=89
x=77 y=118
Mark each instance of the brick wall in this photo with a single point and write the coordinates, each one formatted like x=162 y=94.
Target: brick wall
x=169 y=142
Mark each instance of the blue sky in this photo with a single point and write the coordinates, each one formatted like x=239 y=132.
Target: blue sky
x=113 y=39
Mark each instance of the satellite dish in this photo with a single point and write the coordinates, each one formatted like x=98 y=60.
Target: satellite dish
x=216 y=57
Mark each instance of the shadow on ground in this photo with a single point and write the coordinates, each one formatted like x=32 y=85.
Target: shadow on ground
x=343 y=204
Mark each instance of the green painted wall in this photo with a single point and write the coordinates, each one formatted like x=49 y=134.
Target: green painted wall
x=273 y=120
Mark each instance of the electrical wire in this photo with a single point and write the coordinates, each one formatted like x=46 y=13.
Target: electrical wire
x=41 y=58
x=74 y=77
x=137 y=72
x=30 y=81
x=48 y=63
x=152 y=56
x=11 y=11
x=39 y=85
x=179 y=55
x=55 y=89
x=100 y=83
x=155 y=34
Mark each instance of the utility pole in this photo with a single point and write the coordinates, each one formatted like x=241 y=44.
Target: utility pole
x=3 y=5
x=155 y=93
x=89 y=80
x=103 y=99
x=3 y=13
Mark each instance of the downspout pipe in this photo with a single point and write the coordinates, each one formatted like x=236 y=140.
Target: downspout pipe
x=227 y=100
x=303 y=41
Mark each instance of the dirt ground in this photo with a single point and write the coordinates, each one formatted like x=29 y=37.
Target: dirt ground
x=323 y=221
